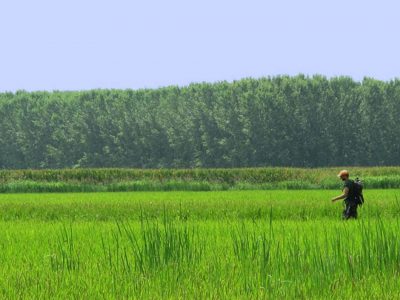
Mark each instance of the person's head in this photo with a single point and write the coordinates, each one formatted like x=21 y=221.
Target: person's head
x=344 y=175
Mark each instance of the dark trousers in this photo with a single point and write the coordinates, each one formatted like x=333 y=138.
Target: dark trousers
x=350 y=211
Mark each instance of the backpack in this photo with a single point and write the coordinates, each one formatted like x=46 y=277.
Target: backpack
x=358 y=188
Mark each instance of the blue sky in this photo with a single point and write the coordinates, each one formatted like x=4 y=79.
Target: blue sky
x=86 y=44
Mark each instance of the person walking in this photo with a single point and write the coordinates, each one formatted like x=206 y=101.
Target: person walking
x=349 y=195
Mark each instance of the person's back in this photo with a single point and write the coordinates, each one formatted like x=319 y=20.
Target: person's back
x=348 y=183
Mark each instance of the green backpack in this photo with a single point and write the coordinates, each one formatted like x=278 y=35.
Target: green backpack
x=358 y=191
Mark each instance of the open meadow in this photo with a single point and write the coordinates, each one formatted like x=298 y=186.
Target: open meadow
x=216 y=244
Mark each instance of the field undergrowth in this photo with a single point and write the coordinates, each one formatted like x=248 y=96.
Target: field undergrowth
x=219 y=245
x=112 y=180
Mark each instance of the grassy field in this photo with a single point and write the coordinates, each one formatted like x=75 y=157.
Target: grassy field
x=218 y=245
x=112 y=180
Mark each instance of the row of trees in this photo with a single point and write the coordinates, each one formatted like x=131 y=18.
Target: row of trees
x=279 y=121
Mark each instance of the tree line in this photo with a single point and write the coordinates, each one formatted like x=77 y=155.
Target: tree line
x=276 y=121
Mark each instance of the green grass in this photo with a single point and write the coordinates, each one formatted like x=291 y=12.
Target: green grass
x=111 y=180
x=219 y=245
x=188 y=206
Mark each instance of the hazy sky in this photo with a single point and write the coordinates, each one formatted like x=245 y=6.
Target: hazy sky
x=85 y=44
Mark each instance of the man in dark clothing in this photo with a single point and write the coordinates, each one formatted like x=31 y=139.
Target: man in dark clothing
x=348 y=195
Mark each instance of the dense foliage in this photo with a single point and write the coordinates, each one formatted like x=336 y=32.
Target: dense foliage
x=280 y=121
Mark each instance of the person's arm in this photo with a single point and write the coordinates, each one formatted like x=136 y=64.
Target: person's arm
x=343 y=196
